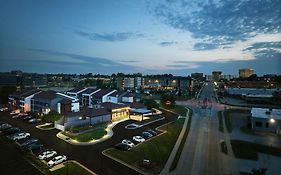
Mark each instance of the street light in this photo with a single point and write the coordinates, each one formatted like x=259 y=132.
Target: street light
x=272 y=120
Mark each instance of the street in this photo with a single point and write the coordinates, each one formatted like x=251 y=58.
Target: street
x=201 y=153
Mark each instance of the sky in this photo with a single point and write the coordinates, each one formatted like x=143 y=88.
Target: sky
x=146 y=36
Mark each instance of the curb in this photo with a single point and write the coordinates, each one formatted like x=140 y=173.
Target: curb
x=105 y=137
x=39 y=127
x=139 y=126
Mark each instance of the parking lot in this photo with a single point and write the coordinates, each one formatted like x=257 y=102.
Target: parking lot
x=12 y=161
x=90 y=156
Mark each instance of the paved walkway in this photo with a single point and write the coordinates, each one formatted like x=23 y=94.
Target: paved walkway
x=229 y=161
x=92 y=142
x=171 y=158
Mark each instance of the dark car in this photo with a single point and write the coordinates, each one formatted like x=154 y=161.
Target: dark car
x=122 y=146
x=27 y=117
x=29 y=141
x=152 y=132
x=5 y=126
x=11 y=131
x=34 y=146
x=146 y=163
x=146 y=135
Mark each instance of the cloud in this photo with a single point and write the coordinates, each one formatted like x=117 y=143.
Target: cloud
x=128 y=61
x=221 y=22
x=69 y=62
x=167 y=43
x=110 y=37
x=204 y=46
x=183 y=64
x=267 y=45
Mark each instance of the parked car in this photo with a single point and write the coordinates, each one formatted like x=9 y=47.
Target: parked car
x=47 y=154
x=20 y=115
x=56 y=160
x=11 y=131
x=20 y=136
x=122 y=146
x=34 y=120
x=146 y=135
x=128 y=142
x=14 y=112
x=138 y=139
x=27 y=117
x=29 y=141
x=146 y=163
x=5 y=126
x=34 y=146
x=3 y=109
x=152 y=132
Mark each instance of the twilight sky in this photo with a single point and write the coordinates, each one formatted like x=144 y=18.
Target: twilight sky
x=146 y=36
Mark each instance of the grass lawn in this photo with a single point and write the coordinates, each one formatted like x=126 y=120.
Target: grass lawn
x=227 y=121
x=50 y=126
x=80 y=128
x=71 y=168
x=221 y=128
x=177 y=156
x=179 y=109
x=85 y=137
x=156 y=150
x=224 y=147
x=249 y=150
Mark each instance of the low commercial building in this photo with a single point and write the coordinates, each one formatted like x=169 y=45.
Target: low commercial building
x=118 y=111
x=264 y=119
x=87 y=116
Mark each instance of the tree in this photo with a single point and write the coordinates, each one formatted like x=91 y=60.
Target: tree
x=167 y=100
x=150 y=103
x=52 y=116
x=5 y=91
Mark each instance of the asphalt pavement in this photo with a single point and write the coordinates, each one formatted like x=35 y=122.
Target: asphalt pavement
x=90 y=156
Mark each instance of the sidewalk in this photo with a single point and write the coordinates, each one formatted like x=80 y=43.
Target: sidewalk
x=92 y=142
x=171 y=158
x=229 y=160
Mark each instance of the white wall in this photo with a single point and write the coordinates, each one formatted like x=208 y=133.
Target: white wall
x=75 y=106
x=128 y=99
x=112 y=99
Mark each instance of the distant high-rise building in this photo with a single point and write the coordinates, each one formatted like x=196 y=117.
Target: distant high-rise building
x=245 y=73
x=197 y=76
x=216 y=75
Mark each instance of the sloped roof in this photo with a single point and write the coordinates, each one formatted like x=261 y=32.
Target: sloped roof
x=102 y=92
x=89 y=91
x=112 y=106
x=76 y=90
x=47 y=95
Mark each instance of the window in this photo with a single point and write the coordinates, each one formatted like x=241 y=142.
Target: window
x=258 y=124
x=267 y=124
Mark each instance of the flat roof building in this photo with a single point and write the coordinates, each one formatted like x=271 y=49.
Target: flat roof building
x=265 y=119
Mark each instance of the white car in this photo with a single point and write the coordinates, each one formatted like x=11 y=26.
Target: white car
x=138 y=139
x=47 y=154
x=14 y=112
x=4 y=109
x=128 y=142
x=57 y=160
x=21 y=135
